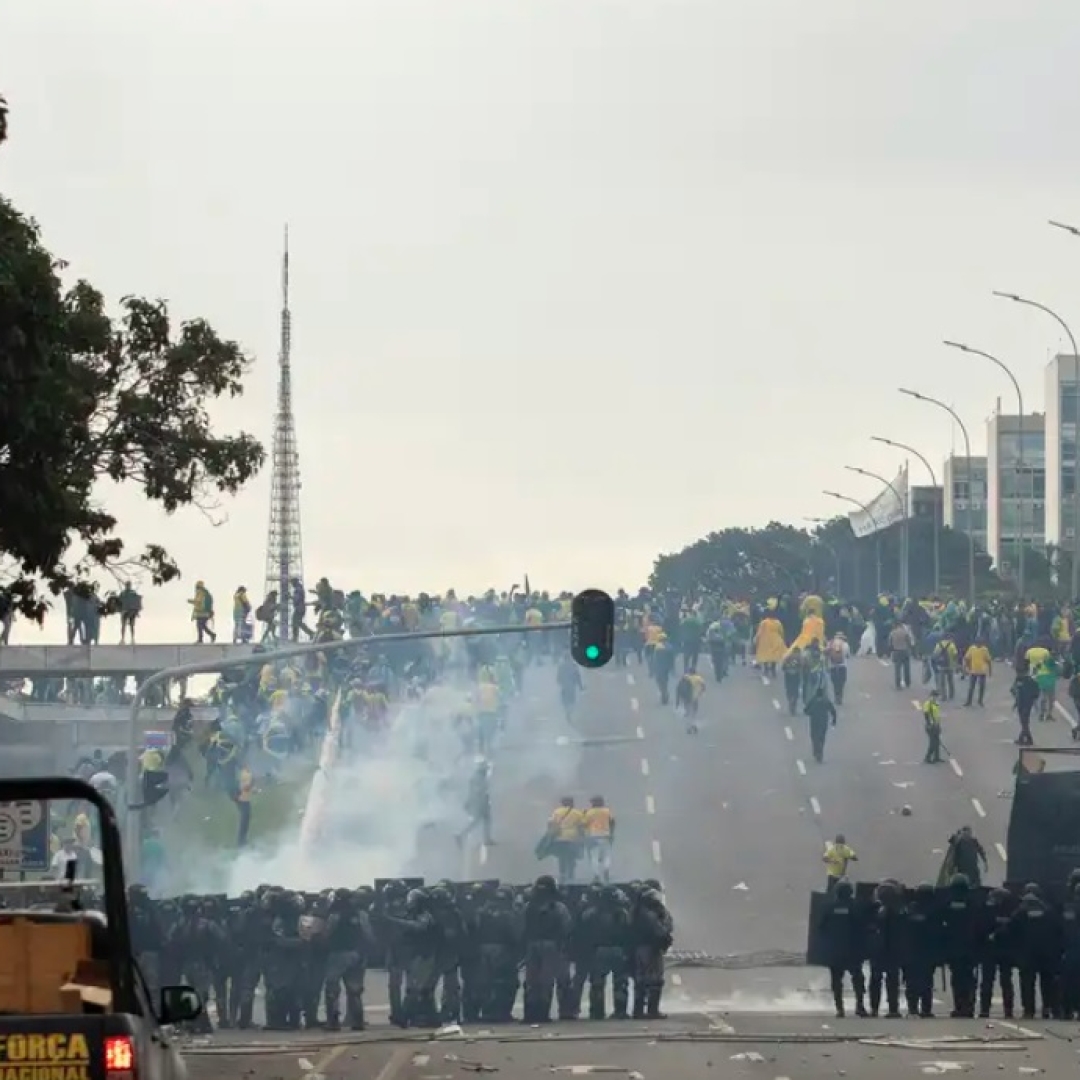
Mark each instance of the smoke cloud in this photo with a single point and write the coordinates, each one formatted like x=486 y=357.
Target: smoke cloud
x=391 y=803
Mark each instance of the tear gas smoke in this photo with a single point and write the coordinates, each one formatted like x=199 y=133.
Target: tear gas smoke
x=394 y=801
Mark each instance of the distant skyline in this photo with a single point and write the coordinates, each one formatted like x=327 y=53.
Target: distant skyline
x=573 y=283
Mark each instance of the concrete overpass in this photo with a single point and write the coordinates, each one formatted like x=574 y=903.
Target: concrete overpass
x=91 y=661
x=59 y=734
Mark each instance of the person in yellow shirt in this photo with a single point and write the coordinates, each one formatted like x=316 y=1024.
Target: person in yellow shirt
x=599 y=826
x=245 y=788
x=488 y=701
x=978 y=666
x=931 y=711
x=836 y=859
x=688 y=693
x=565 y=834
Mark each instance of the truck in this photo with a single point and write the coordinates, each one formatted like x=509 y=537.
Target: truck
x=73 y=1003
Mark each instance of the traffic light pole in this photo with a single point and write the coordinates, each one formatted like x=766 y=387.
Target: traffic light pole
x=132 y=851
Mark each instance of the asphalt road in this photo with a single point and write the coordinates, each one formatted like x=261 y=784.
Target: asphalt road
x=733 y=821
x=748 y=1046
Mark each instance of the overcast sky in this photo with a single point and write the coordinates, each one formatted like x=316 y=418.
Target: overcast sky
x=575 y=282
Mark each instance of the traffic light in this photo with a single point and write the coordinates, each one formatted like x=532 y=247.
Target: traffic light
x=592 y=628
x=155 y=786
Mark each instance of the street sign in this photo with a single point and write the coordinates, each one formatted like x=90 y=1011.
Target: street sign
x=159 y=740
x=25 y=835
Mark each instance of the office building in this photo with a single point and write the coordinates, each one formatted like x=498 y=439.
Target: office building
x=1016 y=488
x=965 y=506
x=1062 y=402
x=926 y=503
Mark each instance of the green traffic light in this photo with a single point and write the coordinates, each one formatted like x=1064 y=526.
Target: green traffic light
x=592 y=653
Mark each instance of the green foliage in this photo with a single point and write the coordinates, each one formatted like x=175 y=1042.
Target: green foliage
x=758 y=563
x=88 y=397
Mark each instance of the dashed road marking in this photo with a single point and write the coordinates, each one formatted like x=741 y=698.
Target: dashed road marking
x=644 y=766
x=815 y=805
x=955 y=766
x=640 y=732
x=630 y=678
x=978 y=807
x=788 y=733
x=656 y=851
x=801 y=766
x=650 y=804
x=483 y=854
x=634 y=704
x=676 y=979
x=776 y=704
x=883 y=662
x=765 y=680
x=1002 y=853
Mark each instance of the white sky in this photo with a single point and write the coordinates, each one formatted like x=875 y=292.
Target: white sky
x=574 y=282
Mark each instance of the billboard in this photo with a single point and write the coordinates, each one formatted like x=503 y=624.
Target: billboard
x=884 y=509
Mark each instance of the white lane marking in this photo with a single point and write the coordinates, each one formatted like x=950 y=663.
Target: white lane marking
x=956 y=766
x=640 y=732
x=483 y=854
x=644 y=766
x=776 y=704
x=1000 y=848
x=800 y=766
x=883 y=662
x=1026 y=1032
x=978 y=807
x=789 y=734
x=1059 y=708
x=765 y=680
x=656 y=851
x=676 y=979
x=917 y=703
x=634 y=704
x=650 y=804
x=420 y=1060
x=629 y=679
x=815 y=805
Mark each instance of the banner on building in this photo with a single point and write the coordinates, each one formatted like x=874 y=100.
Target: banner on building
x=884 y=510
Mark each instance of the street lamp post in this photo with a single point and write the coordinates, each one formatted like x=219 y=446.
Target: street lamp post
x=1074 y=584
x=1022 y=494
x=937 y=505
x=877 y=532
x=835 y=554
x=903 y=590
x=970 y=479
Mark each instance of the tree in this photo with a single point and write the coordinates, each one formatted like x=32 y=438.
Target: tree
x=86 y=398
x=758 y=563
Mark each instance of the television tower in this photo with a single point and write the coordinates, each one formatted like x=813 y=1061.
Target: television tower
x=284 y=550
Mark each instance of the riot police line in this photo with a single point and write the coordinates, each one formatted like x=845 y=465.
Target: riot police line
x=453 y=952
x=1019 y=935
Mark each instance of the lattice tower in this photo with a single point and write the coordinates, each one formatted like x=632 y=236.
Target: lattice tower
x=284 y=549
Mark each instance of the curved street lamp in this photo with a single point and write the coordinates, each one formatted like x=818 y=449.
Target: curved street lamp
x=1074 y=584
x=938 y=503
x=1022 y=486
x=970 y=479
x=873 y=520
